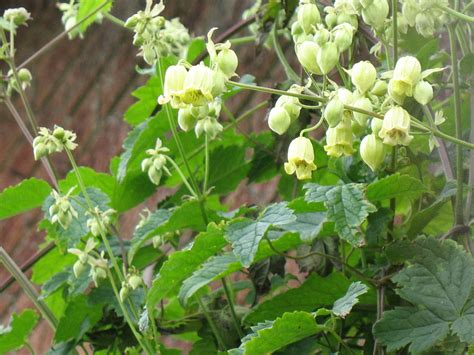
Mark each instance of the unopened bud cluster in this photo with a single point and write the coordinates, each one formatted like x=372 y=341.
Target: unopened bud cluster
x=62 y=211
x=99 y=221
x=155 y=164
x=156 y=36
x=16 y=16
x=132 y=282
x=48 y=142
x=424 y=15
x=98 y=265
x=286 y=111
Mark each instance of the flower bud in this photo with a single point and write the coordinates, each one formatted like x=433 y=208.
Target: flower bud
x=227 y=62
x=375 y=14
x=208 y=126
x=148 y=54
x=279 y=120
x=333 y=112
x=322 y=36
x=124 y=292
x=339 y=139
x=97 y=274
x=174 y=85
x=300 y=158
x=364 y=104
x=24 y=75
x=331 y=19
x=408 y=70
x=424 y=24
x=396 y=127
x=134 y=281
x=423 y=92
x=380 y=88
x=349 y=19
x=409 y=10
x=78 y=268
x=18 y=16
x=307 y=53
x=327 y=57
x=372 y=151
x=343 y=35
x=308 y=16
x=186 y=119
x=290 y=104
x=376 y=125
x=155 y=164
x=363 y=76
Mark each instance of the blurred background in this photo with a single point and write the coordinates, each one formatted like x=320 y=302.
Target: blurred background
x=85 y=85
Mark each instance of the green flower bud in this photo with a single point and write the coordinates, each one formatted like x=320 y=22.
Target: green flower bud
x=349 y=19
x=134 y=281
x=155 y=164
x=396 y=127
x=24 y=75
x=409 y=10
x=308 y=16
x=149 y=54
x=333 y=112
x=300 y=158
x=322 y=36
x=173 y=86
x=331 y=19
x=361 y=118
x=279 y=120
x=376 y=125
x=424 y=24
x=343 y=35
x=372 y=151
x=375 y=14
x=327 y=57
x=208 y=126
x=380 y=88
x=423 y=92
x=124 y=292
x=307 y=53
x=339 y=139
x=98 y=273
x=363 y=76
x=290 y=104
x=186 y=119
x=408 y=70
x=78 y=268
x=227 y=62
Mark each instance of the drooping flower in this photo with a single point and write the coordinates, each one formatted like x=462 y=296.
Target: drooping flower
x=396 y=127
x=363 y=76
x=155 y=164
x=372 y=151
x=62 y=211
x=300 y=158
x=339 y=139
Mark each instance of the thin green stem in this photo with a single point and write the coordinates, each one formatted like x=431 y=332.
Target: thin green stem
x=206 y=164
x=395 y=29
x=455 y=13
x=141 y=340
x=290 y=73
x=312 y=128
x=212 y=324
x=115 y=20
x=185 y=181
x=12 y=39
x=230 y=300
x=26 y=285
x=459 y=215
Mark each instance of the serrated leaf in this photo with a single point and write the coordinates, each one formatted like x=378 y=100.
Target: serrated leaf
x=23 y=197
x=288 y=329
x=147 y=96
x=245 y=235
x=50 y=264
x=315 y=292
x=86 y=7
x=438 y=281
x=91 y=178
x=343 y=306
x=346 y=205
x=394 y=186
x=183 y=263
x=147 y=230
x=21 y=326
x=208 y=273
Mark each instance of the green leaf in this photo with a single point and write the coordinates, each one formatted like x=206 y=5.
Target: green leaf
x=245 y=235
x=183 y=263
x=50 y=264
x=21 y=326
x=91 y=178
x=343 y=306
x=290 y=328
x=147 y=96
x=315 y=292
x=209 y=272
x=79 y=317
x=394 y=186
x=86 y=7
x=438 y=281
x=23 y=197
x=227 y=168
x=147 y=230
x=347 y=207
x=377 y=226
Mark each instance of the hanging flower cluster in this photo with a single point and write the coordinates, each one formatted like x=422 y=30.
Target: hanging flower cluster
x=48 y=142
x=61 y=210
x=424 y=15
x=156 y=36
x=98 y=265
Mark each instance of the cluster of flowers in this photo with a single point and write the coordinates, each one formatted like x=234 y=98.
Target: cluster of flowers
x=98 y=265
x=70 y=11
x=156 y=36
x=424 y=15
